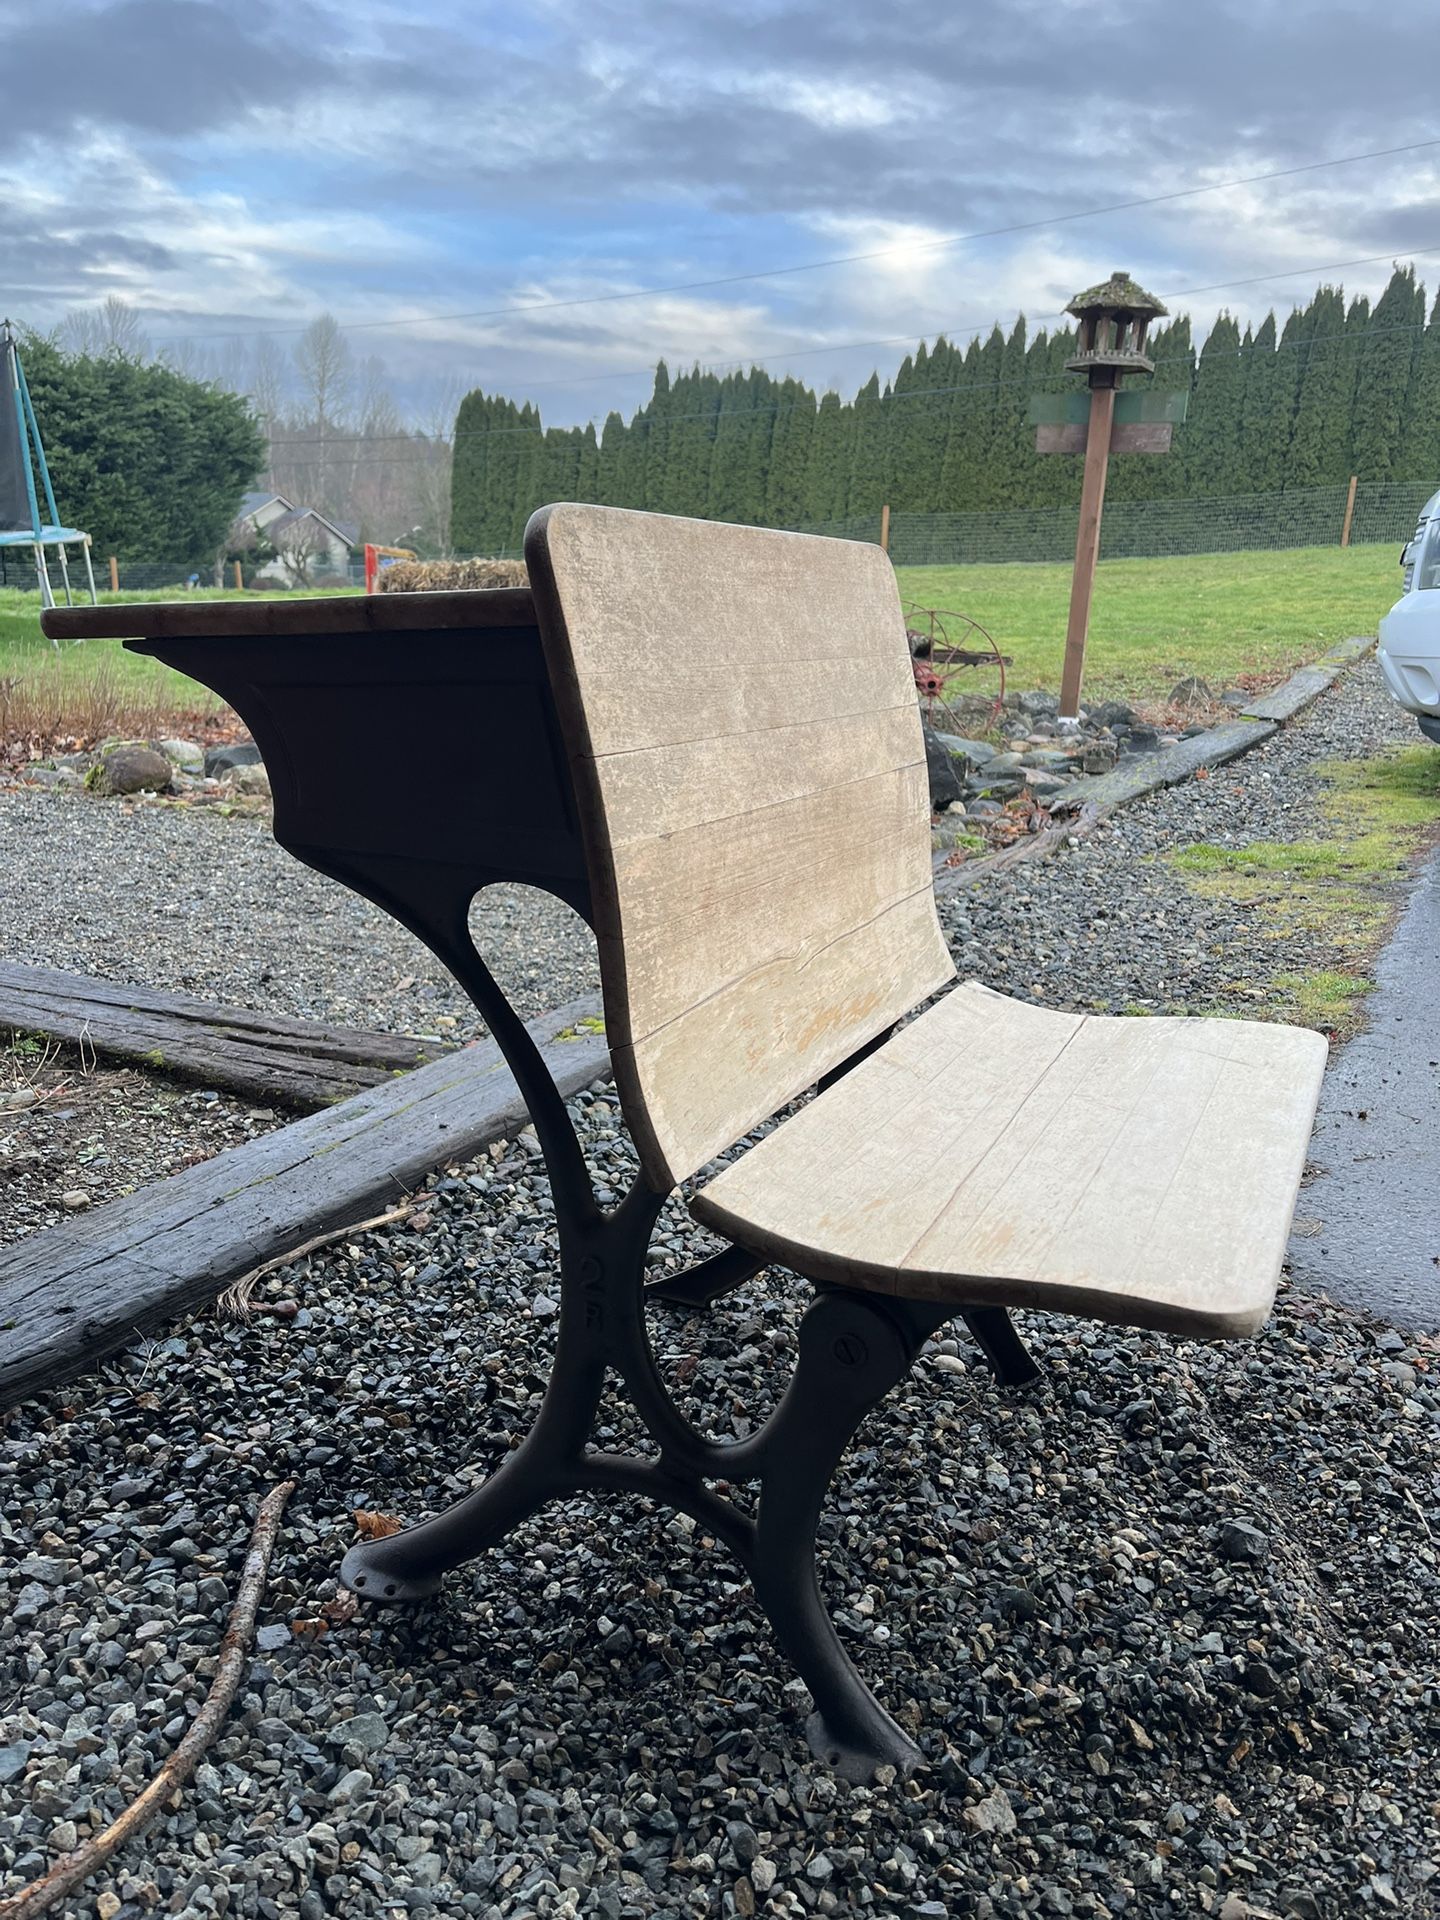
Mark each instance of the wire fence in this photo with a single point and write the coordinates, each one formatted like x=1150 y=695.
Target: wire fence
x=1146 y=529
x=1132 y=529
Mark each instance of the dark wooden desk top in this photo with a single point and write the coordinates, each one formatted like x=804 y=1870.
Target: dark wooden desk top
x=196 y=619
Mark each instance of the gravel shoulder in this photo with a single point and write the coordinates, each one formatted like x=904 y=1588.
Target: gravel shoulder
x=1167 y=1624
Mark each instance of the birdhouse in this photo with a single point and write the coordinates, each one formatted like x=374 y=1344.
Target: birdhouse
x=1113 y=320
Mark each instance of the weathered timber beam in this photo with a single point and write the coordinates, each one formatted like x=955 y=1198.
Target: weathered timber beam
x=71 y=1295
x=267 y=1056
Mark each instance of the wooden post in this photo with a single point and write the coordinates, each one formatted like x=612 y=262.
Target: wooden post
x=885 y=527
x=1087 y=543
x=1349 y=511
x=239 y=578
x=114 y=574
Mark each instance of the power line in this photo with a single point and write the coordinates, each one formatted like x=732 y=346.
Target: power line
x=968 y=332
x=778 y=406
x=841 y=260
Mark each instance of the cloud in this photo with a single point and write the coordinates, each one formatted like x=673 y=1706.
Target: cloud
x=241 y=164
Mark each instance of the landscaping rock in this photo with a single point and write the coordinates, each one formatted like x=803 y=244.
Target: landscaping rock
x=221 y=760
x=1111 y=713
x=944 y=781
x=185 y=754
x=130 y=769
x=1192 y=691
x=1099 y=757
x=1141 y=740
x=250 y=782
x=1038 y=704
x=977 y=752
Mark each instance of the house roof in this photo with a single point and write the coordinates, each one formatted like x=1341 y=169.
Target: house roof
x=253 y=501
x=282 y=525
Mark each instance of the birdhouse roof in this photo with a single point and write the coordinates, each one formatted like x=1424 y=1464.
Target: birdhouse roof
x=1119 y=291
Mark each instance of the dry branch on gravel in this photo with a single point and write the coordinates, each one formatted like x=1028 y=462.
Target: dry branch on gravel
x=235 y=1303
x=73 y=1869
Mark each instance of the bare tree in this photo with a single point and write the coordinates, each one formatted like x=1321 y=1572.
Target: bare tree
x=299 y=546
x=113 y=327
x=322 y=362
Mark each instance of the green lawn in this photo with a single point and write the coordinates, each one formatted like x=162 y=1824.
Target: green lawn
x=1152 y=622
x=90 y=687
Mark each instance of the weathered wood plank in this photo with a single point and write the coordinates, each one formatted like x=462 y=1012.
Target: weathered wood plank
x=932 y=1170
x=73 y=1294
x=1306 y=685
x=739 y=711
x=1163 y=769
x=335 y=613
x=268 y=1056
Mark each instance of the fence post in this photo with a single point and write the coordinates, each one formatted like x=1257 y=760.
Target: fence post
x=239 y=578
x=885 y=528
x=1349 y=511
x=114 y=574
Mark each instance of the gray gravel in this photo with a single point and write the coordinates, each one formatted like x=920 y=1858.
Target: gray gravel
x=185 y=898
x=1106 y=926
x=1166 y=1624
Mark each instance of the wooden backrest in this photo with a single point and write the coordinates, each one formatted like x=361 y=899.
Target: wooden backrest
x=745 y=741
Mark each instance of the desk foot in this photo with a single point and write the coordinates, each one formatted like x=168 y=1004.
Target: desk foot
x=364 y=1572
x=859 y=1764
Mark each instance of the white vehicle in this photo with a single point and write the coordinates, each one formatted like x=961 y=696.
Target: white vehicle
x=1410 y=633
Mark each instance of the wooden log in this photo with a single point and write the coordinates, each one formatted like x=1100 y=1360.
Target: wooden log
x=266 y=1056
x=1304 y=687
x=73 y=1294
x=1165 y=768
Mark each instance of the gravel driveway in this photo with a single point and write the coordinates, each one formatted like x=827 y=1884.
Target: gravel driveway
x=1167 y=1624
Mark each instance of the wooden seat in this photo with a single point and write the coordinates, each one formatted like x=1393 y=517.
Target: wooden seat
x=996 y=1153
x=741 y=718
x=747 y=753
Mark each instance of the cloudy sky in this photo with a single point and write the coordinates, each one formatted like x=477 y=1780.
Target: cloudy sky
x=234 y=167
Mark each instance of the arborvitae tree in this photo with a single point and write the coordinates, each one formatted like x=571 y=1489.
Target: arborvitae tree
x=467 y=473
x=931 y=423
x=694 y=406
x=727 y=498
x=964 y=436
x=657 y=441
x=1009 y=403
x=1290 y=358
x=1419 y=457
x=786 y=501
x=630 y=480
x=1321 y=435
x=1212 y=440
x=611 y=455
x=869 y=462
x=1256 y=469
x=1382 y=377
x=827 y=470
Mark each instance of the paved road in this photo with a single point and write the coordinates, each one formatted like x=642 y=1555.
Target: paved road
x=1368 y=1229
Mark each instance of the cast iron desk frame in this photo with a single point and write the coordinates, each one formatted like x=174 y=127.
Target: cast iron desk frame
x=457 y=682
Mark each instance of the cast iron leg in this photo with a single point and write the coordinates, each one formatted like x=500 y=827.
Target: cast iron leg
x=707 y=1280
x=852 y=1351
x=993 y=1331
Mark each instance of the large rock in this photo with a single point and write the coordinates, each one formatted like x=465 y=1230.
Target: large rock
x=131 y=769
x=944 y=780
x=1039 y=705
x=223 y=760
x=184 y=754
x=1192 y=691
x=977 y=752
x=253 y=783
x=1113 y=714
